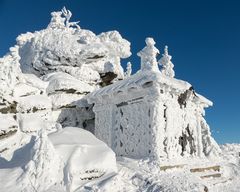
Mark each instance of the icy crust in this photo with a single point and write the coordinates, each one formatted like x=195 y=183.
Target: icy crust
x=68 y=48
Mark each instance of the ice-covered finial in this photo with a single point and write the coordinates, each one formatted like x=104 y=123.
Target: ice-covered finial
x=166 y=63
x=166 y=50
x=129 y=70
x=148 y=55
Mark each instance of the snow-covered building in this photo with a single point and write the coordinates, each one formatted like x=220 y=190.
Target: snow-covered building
x=152 y=114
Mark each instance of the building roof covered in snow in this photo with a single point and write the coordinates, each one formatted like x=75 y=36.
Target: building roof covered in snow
x=150 y=75
x=146 y=78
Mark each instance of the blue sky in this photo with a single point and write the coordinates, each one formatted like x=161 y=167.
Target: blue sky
x=203 y=38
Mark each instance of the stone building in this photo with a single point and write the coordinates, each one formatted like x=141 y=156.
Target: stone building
x=152 y=114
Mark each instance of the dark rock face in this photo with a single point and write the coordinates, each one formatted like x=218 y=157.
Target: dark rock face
x=11 y=108
x=182 y=99
x=107 y=78
x=186 y=138
x=6 y=134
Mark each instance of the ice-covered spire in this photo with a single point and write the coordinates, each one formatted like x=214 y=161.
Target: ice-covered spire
x=148 y=55
x=129 y=70
x=166 y=63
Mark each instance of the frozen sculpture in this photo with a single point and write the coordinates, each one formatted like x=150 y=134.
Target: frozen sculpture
x=153 y=114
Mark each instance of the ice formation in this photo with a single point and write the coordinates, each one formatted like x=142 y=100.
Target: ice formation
x=167 y=65
x=59 y=83
x=148 y=55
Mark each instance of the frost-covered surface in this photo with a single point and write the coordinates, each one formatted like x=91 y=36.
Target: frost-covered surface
x=153 y=114
x=68 y=48
x=51 y=87
x=167 y=65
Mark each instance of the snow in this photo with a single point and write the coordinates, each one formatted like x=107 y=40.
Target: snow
x=33 y=103
x=148 y=55
x=66 y=83
x=138 y=80
x=45 y=165
x=147 y=130
x=84 y=156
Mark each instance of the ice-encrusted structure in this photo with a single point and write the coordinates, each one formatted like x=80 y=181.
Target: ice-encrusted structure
x=167 y=65
x=153 y=114
x=148 y=55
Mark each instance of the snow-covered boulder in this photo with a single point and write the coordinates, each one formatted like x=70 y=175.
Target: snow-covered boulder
x=8 y=126
x=34 y=103
x=85 y=157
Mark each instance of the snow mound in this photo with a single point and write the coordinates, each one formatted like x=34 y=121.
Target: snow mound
x=45 y=166
x=84 y=156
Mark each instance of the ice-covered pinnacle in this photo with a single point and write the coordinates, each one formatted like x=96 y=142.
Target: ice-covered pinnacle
x=148 y=55
x=61 y=19
x=166 y=63
x=129 y=70
x=57 y=21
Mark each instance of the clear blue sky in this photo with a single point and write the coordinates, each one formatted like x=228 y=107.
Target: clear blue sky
x=203 y=38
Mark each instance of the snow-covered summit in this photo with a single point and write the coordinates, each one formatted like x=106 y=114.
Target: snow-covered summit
x=64 y=46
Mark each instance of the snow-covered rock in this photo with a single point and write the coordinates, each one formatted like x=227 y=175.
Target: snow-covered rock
x=85 y=157
x=68 y=48
x=45 y=167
